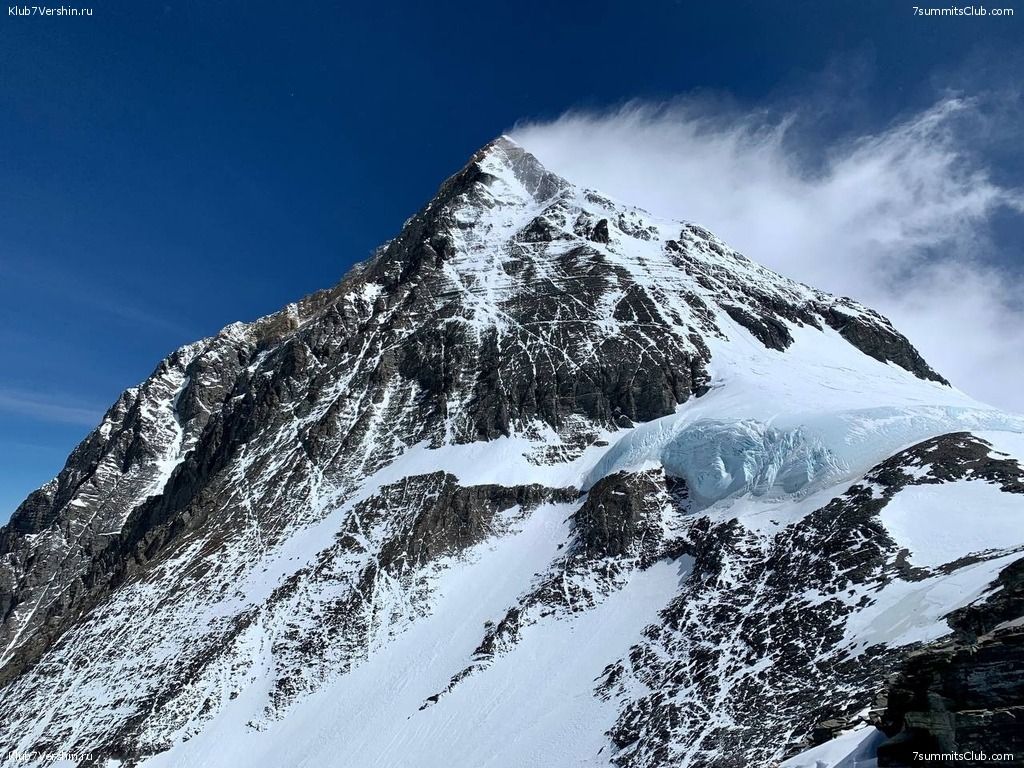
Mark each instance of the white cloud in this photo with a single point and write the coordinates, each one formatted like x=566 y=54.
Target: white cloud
x=53 y=409
x=899 y=220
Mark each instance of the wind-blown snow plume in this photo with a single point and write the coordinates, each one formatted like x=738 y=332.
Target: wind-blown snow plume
x=900 y=219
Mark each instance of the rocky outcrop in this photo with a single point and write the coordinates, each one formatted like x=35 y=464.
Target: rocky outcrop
x=958 y=698
x=770 y=331
x=447 y=518
x=621 y=516
x=874 y=335
x=965 y=694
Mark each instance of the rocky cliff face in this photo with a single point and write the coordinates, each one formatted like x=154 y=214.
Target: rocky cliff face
x=966 y=693
x=540 y=448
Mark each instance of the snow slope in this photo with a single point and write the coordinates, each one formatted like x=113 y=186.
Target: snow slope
x=851 y=750
x=536 y=696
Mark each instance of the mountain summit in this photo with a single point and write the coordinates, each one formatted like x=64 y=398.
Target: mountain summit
x=546 y=481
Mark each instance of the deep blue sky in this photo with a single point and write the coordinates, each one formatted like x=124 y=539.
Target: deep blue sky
x=168 y=168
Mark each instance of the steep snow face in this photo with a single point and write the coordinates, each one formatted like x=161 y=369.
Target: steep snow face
x=546 y=481
x=855 y=749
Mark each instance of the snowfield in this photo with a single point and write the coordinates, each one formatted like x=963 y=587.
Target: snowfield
x=941 y=524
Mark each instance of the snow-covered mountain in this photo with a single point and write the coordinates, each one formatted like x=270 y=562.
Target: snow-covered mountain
x=544 y=482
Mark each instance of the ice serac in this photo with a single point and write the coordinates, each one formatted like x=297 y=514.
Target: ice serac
x=545 y=481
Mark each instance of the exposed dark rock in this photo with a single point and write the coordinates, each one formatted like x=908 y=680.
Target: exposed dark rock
x=958 y=698
x=766 y=329
x=876 y=337
x=964 y=694
x=600 y=232
x=949 y=457
x=448 y=517
x=620 y=513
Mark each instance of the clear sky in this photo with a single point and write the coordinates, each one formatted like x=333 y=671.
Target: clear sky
x=167 y=168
